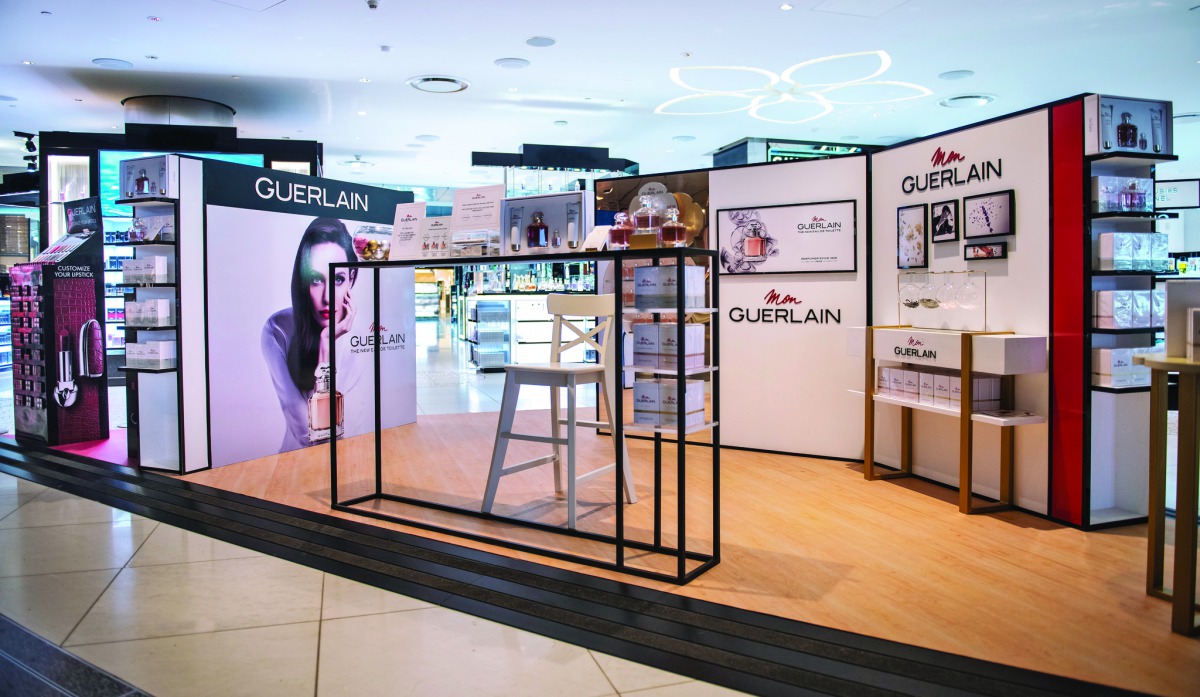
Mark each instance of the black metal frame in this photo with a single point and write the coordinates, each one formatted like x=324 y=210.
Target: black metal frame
x=619 y=541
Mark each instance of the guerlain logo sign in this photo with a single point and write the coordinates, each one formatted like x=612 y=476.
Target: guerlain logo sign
x=784 y=308
x=380 y=335
x=914 y=350
x=307 y=194
x=818 y=224
x=948 y=174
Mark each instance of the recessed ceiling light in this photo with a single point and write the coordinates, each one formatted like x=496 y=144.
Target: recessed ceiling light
x=686 y=54
x=440 y=84
x=415 y=145
x=112 y=63
x=26 y=62
x=512 y=63
x=427 y=138
x=152 y=58
x=785 y=6
x=235 y=77
x=670 y=150
x=47 y=12
x=78 y=99
x=540 y=41
x=512 y=89
x=361 y=113
x=956 y=74
x=152 y=18
x=963 y=101
x=364 y=79
x=560 y=123
x=683 y=139
x=357 y=163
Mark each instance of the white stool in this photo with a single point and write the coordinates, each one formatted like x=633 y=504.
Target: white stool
x=558 y=375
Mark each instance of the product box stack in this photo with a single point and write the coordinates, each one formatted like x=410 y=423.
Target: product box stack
x=147 y=269
x=658 y=286
x=1113 y=367
x=1128 y=309
x=937 y=387
x=656 y=345
x=1132 y=251
x=150 y=313
x=1122 y=195
x=150 y=355
x=657 y=402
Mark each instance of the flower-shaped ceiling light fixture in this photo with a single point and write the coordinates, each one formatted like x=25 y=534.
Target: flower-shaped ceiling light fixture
x=785 y=98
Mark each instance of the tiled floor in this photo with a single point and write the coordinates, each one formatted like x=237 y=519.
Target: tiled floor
x=175 y=613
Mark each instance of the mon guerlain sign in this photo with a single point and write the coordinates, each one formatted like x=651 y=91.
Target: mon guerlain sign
x=925 y=347
x=778 y=307
x=949 y=169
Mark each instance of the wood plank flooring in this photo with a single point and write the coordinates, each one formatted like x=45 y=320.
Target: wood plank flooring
x=802 y=538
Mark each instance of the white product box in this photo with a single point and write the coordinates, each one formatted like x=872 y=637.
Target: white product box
x=152 y=355
x=897 y=378
x=883 y=383
x=657 y=286
x=912 y=385
x=147 y=269
x=1112 y=367
x=955 y=390
x=1141 y=308
x=941 y=390
x=1113 y=309
x=1160 y=252
x=153 y=228
x=656 y=402
x=1143 y=246
x=1009 y=354
x=925 y=382
x=656 y=345
x=150 y=313
x=1115 y=251
x=1158 y=307
x=134 y=355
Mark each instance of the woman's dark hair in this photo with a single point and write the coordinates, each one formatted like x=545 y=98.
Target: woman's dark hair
x=302 y=352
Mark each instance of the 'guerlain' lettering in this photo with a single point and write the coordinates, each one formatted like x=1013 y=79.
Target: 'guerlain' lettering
x=295 y=192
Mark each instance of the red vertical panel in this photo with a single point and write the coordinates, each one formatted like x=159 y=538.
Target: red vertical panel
x=1069 y=257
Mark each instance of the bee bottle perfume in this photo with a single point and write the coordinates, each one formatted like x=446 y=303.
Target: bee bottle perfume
x=755 y=243
x=620 y=232
x=1127 y=132
x=647 y=224
x=674 y=232
x=318 y=408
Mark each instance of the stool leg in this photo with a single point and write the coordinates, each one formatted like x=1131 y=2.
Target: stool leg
x=556 y=432
x=630 y=491
x=508 y=409
x=571 y=484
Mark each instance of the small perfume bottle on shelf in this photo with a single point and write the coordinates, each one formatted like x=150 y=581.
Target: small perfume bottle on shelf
x=674 y=233
x=1106 y=118
x=536 y=231
x=1142 y=142
x=620 y=232
x=318 y=408
x=648 y=220
x=755 y=244
x=1127 y=132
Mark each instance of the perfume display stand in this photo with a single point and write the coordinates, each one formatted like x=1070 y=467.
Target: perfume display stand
x=153 y=380
x=970 y=353
x=644 y=549
x=1182 y=593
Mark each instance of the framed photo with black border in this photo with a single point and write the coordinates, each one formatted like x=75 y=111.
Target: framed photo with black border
x=944 y=223
x=912 y=237
x=989 y=215
x=817 y=237
x=985 y=250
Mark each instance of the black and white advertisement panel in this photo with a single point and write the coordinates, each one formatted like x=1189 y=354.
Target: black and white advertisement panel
x=270 y=239
x=796 y=238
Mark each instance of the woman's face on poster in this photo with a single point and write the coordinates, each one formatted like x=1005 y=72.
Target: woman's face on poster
x=319 y=259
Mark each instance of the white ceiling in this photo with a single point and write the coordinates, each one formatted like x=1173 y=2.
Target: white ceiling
x=299 y=64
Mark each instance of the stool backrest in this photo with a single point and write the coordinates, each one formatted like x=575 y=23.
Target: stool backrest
x=599 y=307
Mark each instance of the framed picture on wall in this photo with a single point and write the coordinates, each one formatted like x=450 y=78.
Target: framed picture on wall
x=912 y=237
x=944 y=221
x=792 y=238
x=986 y=250
x=988 y=215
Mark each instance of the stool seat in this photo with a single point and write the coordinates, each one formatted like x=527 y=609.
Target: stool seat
x=559 y=375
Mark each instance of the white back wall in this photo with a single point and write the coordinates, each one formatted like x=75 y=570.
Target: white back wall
x=788 y=386
x=1018 y=288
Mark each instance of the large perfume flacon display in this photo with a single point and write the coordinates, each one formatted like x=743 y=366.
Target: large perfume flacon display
x=1120 y=124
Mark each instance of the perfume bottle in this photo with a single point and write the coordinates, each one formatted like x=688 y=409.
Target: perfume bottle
x=536 y=231
x=1142 y=142
x=141 y=185
x=318 y=408
x=514 y=231
x=1127 y=133
x=648 y=220
x=674 y=233
x=620 y=232
x=754 y=245
x=1106 y=114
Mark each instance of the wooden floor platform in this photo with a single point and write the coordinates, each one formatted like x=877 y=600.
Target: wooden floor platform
x=810 y=540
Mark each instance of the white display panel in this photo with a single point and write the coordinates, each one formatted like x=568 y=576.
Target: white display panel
x=786 y=383
x=1012 y=154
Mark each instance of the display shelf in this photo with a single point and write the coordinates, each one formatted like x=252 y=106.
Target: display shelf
x=666 y=310
x=1133 y=274
x=1130 y=160
x=142 y=243
x=1131 y=330
x=1125 y=215
x=148 y=202
x=138 y=328
x=127 y=369
x=1121 y=390
x=698 y=370
x=145 y=285
x=1109 y=516
x=669 y=430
